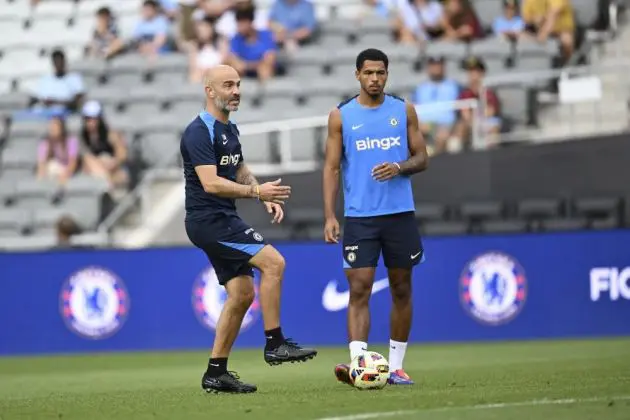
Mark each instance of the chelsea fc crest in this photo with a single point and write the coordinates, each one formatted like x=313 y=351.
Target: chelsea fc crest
x=493 y=288
x=209 y=296
x=94 y=303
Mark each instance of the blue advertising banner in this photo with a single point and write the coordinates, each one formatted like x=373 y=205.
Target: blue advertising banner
x=469 y=288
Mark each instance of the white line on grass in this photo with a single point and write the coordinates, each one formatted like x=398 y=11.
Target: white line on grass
x=398 y=413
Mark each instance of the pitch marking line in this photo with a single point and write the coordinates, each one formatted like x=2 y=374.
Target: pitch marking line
x=477 y=407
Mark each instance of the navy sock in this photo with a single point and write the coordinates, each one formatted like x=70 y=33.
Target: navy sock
x=274 y=338
x=217 y=366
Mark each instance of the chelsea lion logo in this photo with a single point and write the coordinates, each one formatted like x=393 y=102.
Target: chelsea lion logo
x=209 y=297
x=94 y=303
x=493 y=288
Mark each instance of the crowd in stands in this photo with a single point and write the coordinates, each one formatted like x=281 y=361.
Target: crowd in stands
x=238 y=33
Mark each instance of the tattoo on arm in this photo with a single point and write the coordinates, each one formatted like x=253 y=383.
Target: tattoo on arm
x=244 y=176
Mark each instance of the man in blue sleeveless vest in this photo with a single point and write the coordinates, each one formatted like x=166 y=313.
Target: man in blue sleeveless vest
x=216 y=175
x=374 y=141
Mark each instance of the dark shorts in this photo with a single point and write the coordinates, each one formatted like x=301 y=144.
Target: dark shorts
x=397 y=235
x=228 y=242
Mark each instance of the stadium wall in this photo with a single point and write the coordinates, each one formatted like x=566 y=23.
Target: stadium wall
x=592 y=167
x=469 y=288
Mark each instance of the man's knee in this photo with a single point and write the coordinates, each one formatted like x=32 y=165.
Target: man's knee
x=242 y=295
x=270 y=262
x=400 y=286
x=360 y=287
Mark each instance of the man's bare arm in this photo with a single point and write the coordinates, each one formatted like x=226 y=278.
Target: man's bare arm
x=244 y=176
x=214 y=184
x=334 y=145
x=419 y=159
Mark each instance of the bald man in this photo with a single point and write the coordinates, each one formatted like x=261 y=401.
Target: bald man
x=216 y=175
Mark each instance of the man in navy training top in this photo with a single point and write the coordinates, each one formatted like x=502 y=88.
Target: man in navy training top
x=216 y=175
x=374 y=141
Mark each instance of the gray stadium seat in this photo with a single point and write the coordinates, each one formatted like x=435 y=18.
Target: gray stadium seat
x=598 y=207
x=504 y=226
x=491 y=47
x=608 y=223
x=482 y=210
x=45 y=219
x=13 y=100
x=33 y=193
x=93 y=239
x=487 y=11
x=160 y=148
x=26 y=243
x=586 y=11
x=450 y=50
x=305 y=216
x=304 y=144
x=539 y=208
x=19 y=160
x=7 y=191
x=430 y=211
x=13 y=222
x=444 y=228
x=563 y=224
x=82 y=197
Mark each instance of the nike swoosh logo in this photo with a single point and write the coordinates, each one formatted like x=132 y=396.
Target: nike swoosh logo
x=333 y=300
x=356 y=127
x=414 y=256
x=225 y=142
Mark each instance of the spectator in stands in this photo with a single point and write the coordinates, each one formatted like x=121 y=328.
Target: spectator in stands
x=207 y=51
x=186 y=21
x=422 y=20
x=253 y=52
x=293 y=22
x=436 y=124
x=226 y=23
x=106 y=41
x=61 y=91
x=510 y=25
x=152 y=30
x=551 y=18
x=460 y=21
x=67 y=227
x=170 y=8
x=105 y=151
x=58 y=154
x=490 y=124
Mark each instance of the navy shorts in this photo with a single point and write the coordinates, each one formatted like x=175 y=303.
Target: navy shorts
x=396 y=235
x=228 y=242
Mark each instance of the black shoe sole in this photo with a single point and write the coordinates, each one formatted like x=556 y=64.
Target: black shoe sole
x=222 y=391
x=305 y=358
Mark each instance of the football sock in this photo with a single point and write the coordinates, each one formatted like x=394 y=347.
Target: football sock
x=274 y=338
x=396 y=354
x=217 y=366
x=356 y=348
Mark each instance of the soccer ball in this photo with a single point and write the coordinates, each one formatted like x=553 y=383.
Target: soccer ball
x=369 y=370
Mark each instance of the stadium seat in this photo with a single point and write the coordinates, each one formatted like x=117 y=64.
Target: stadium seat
x=305 y=216
x=504 y=226
x=487 y=11
x=539 y=208
x=35 y=194
x=26 y=243
x=7 y=191
x=598 y=208
x=482 y=210
x=430 y=211
x=45 y=219
x=444 y=228
x=259 y=148
x=607 y=223
x=13 y=222
x=159 y=149
x=563 y=224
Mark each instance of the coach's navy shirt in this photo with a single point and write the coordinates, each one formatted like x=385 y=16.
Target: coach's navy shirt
x=207 y=141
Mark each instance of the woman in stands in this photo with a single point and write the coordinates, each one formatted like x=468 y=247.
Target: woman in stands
x=106 y=41
x=461 y=22
x=105 y=150
x=422 y=20
x=207 y=51
x=58 y=154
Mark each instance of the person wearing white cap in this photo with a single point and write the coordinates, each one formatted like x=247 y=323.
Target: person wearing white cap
x=105 y=152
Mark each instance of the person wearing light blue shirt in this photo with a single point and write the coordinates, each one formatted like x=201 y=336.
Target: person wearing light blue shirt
x=152 y=30
x=293 y=21
x=509 y=25
x=436 y=123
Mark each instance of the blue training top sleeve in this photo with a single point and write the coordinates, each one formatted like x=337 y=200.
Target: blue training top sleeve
x=200 y=145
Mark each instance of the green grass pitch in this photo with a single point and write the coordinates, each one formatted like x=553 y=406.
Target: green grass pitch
x=559 y=380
